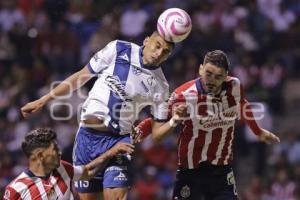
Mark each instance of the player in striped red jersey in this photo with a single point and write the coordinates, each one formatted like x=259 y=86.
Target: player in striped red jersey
x=213 y=103
x=48 y=177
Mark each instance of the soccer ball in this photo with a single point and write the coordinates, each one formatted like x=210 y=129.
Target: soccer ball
x=174 y=25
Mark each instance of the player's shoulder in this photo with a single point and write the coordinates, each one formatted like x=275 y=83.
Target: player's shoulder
x=121 y=44
x=66 y=166
x=186 y=86
x=14 y=185
x=11 y=193
x=234 y=87
x=125 y=44
x=233 y=81
x=114 y=43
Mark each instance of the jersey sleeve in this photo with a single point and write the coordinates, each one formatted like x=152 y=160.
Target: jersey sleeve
x=145 y=127
x=160 y=107
x=102 y=58
x=246 y=114
x=11 y=194
x=248 y=117
x=69 y=168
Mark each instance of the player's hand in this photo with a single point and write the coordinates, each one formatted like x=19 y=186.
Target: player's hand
x=32 y=107
x=268 y=137
x=121 y=147
x=180 y=112
x=136 y=135
x=141 y=131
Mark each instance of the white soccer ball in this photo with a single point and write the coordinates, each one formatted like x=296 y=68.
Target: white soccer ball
x=174 y=25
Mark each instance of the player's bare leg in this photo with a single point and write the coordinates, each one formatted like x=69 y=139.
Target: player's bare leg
x=115 y=193
x=91 y=196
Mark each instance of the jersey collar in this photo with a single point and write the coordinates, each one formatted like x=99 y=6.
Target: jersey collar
x=201 y=90
x=31 y=174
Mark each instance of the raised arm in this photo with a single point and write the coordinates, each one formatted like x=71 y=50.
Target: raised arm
x=66 y=87
x=161 y=130
x=90 y=170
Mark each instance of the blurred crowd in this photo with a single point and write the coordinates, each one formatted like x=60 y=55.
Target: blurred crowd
x=44 y=41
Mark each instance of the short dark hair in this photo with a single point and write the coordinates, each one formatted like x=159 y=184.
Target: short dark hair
x=217 y=58
x=38 y=138
x=155 y=33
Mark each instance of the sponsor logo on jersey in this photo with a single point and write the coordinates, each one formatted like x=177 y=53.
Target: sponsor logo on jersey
x=115 y=85
x=124 y=57
x=145 y=87
x=151 y=81
x=218 y=120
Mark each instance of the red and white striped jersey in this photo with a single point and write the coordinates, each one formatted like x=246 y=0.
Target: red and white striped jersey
x=57 y=185
x=207 y=134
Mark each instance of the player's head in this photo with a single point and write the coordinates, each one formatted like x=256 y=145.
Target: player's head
x=156 y=49
x=40 y=146
x=214 y=70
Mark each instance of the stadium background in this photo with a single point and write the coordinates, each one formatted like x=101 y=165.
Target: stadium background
x=43 y=41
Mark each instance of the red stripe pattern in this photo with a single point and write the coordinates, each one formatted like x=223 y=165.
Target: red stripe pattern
x=208 y=135
x=28 y=187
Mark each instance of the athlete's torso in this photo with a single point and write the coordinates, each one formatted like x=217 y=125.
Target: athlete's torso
x=124 y=87
x=208 y=134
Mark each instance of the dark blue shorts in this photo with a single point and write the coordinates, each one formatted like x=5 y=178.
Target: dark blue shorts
x=89 y=144
x=207 y=182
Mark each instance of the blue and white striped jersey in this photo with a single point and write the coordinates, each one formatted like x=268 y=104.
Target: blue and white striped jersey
x=124 y=87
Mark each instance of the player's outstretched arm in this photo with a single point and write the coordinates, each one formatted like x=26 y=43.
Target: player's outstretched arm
x=248 y=117
x=66 y=87
x=92 y=169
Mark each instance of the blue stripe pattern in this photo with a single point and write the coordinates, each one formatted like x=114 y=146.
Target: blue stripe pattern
x=121 y=71
x=199 y=86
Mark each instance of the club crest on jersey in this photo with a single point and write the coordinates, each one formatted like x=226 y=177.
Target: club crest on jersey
x=185 y=191
x=151 y=81
x=136 y=70
x=51 y=193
